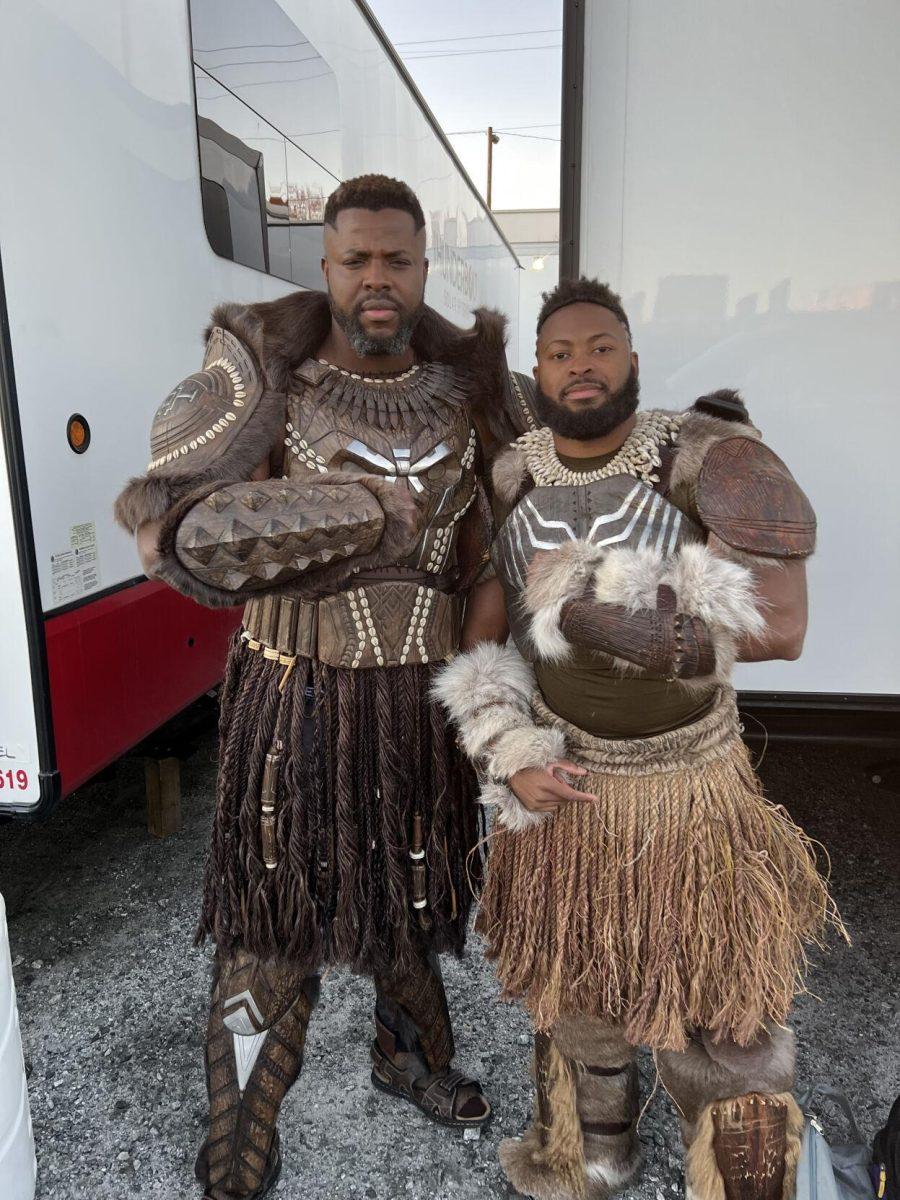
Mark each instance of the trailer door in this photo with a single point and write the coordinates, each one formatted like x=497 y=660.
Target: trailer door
x=21 y=662
x=740 y=186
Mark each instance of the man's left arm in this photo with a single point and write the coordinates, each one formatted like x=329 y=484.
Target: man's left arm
x=781 y=596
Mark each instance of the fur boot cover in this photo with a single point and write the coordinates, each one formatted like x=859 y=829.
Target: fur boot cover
x=487 y=693
x=717 y=590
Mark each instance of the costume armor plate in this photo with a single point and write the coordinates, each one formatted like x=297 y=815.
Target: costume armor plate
x=410 y=431
x=206 y=413
x=620 y=512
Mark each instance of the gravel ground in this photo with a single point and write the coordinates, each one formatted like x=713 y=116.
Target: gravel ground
x=112 y=998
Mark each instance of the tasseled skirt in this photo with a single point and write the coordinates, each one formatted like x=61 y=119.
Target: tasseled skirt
x=680 y=899
x=366 y=756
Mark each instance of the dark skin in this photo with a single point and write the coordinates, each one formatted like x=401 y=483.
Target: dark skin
x=584 y=354
x=374 y=264
x=373 y=259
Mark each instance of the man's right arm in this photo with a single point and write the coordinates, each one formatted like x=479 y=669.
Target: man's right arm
x=212 y=524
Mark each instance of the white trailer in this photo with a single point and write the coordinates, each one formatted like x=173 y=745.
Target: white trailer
x=732 y=170
x=159 y=157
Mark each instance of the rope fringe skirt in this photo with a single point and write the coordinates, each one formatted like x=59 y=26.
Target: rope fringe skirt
x=680 y=899
x=369 y=772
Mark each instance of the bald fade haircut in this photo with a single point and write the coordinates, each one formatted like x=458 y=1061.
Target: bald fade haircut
x=582 y=291
x=374 y=193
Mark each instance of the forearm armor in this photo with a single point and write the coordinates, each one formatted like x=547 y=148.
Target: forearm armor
x=660 y=641
x=226 y=544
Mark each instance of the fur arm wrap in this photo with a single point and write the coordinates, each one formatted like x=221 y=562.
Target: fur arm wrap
x=712 y=596
x=222 y=545
x=487 y=692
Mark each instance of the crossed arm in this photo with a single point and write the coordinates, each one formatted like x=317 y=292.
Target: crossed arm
x=782 y=598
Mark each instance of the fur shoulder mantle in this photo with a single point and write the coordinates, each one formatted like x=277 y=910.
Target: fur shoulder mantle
x=283 y=333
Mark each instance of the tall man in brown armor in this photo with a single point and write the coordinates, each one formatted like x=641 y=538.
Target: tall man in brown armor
x=323 y=467
x=641 y=889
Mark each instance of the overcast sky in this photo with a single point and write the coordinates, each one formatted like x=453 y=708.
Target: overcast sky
x=496 y=64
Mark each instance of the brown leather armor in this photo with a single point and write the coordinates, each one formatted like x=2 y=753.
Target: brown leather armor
x=207 y=412
x=660 y=640
x=409 y=431
x=749 y=1141
x=616 y=512
x=257 y=536
x=747 y=497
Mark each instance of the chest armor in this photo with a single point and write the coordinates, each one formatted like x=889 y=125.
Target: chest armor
x=617 y=512
x=414 y=431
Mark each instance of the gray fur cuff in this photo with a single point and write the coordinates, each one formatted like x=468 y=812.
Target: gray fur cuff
x=717 y=590
x=487 y=693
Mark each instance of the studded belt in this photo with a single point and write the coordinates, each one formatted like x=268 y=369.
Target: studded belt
x=376 y=624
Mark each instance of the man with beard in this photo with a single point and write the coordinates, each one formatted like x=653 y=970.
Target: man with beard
x=640 y=890
x=323 y=468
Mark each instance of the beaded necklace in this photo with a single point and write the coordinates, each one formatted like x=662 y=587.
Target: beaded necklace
x=638 y=455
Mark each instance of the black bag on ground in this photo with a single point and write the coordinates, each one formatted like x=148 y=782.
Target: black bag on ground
x=886 y=1157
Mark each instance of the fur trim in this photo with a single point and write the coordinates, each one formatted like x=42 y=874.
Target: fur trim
x=707 y=1071
x=283 y=333
x=698 y=434
x=703 y=1179
x=612 y=1176
x=511 y=812
x=487 y=692
x=718 y=591
x=554 y=578
x=149 y=497
x=593 y=1041
x=524 y=1163
x=530 y=747
x=509 y=474
x=398 y=533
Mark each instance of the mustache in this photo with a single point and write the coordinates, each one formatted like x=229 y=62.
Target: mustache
x=581 y=383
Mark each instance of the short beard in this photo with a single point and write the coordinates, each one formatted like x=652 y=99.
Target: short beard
x=368 y=345
x=584 y=425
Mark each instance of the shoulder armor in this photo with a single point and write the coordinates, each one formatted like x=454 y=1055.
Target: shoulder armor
x=200 y=420
x=726 y=404
x=747 y=497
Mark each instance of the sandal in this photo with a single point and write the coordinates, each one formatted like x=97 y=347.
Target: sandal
x=446 y=1096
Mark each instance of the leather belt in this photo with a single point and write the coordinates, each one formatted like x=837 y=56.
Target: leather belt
x=376 y=624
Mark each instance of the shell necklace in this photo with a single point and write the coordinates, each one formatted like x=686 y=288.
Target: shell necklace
x=638 y=455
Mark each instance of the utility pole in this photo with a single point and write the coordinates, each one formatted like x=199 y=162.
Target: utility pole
x=493 y=139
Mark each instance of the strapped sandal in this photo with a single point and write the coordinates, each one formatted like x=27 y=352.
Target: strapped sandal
x=270 y=1178
x=446 y=1096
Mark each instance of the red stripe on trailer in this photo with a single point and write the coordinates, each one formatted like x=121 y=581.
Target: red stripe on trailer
x=123 y=665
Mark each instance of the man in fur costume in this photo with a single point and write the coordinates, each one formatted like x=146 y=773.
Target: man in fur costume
x=323 y=467
x=640 y=888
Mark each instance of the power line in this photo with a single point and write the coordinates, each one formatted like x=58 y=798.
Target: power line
x=535 y=137
x=505 y=128
x=479 y=37
x=470 y=53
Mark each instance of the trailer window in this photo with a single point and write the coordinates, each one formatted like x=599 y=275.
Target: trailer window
x=269 y=133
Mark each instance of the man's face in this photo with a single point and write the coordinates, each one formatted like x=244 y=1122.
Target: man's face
x=586 y=372
x=375 y=269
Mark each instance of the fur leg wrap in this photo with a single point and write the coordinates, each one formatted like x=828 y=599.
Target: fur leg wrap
x=718 y=591
x=583 y=1142
x=746 y=1148
x=487 y=692
x=740 y=1123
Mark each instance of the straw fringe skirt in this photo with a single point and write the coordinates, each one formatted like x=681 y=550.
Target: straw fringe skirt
x=680 y=899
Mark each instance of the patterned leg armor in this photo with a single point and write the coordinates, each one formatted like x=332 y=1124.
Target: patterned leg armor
x=258 y=1019
x=583 y=1140
x=740 y=1123
x=413 y=1047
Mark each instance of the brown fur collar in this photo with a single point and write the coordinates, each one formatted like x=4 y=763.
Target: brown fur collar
x=284 y=333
